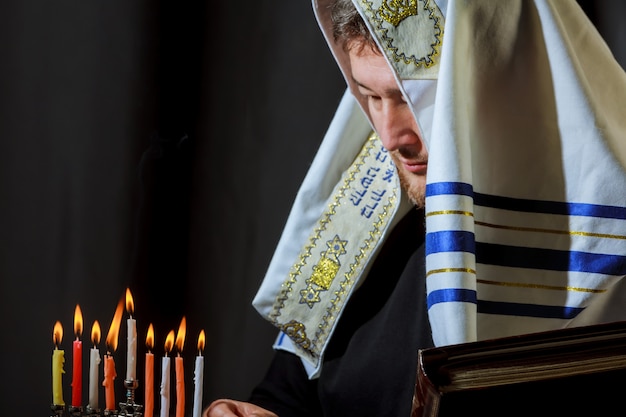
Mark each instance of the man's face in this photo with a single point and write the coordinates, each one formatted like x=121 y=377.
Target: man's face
x=392 y=119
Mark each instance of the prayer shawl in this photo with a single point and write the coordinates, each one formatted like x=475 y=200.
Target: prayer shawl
x=522 y=107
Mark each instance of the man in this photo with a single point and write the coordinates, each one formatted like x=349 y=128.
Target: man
x=525 y=227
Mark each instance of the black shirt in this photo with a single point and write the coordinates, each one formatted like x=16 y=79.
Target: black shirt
x=371 y=360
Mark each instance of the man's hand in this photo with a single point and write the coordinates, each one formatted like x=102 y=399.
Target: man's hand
x=232 y=408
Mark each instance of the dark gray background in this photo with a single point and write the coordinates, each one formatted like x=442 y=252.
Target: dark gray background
x=156 y=145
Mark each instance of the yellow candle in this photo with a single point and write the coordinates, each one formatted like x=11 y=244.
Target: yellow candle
x=58 y=358
x=180 y=372
x=149 y=374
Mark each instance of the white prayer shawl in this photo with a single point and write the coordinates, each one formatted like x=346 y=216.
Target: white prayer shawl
x=522 y=106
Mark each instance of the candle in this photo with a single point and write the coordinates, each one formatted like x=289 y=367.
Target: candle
x=149 y=374
x=77 y=355
x=58 y=358
x=165 y=376
x=94 y=363
x=109 y=363
x=198 y=376
x=108 y=383
x=180 y=371
x=131 y=336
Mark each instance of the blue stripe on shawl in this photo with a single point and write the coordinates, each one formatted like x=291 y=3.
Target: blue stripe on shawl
x=526 y=205
x=450 y=241
x=451 y=295
x=442 y=188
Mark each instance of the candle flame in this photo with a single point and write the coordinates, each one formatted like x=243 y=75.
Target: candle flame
x=78 y=321
x=169 y=342
x=57 y=333
x=180 y=336
x=95 y=333
x=201 y=339
x=150 y=337
x=115 y=327
x=130 y=305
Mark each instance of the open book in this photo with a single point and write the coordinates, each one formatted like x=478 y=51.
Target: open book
x=567 y=372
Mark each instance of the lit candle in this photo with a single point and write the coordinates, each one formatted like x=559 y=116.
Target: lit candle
x=109 y=363
x=149 y=375
x=198 y=376
x=94 y=363
x=58 y=358
x=109 y=377
x=77 y=355
x=165 y=376
x=180 y=372
x=131 y=355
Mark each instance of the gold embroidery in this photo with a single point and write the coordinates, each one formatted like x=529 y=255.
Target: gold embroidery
x=297 y=332
x=430 y=26
x=444 y=270
x=324 y=272
x=395 y=11
x=337 y=302
x=459 y=212
x=540 y=286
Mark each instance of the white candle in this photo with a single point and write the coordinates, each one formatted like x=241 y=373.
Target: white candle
x=131 y=338
x=198 y=375
x=94 y=363
x=165 y=387
x=165 y=376
x=131 y=354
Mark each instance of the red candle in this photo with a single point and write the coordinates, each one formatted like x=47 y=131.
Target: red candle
x=149 y=374
x=109 y=363
x=180 y=372
x=77 y=355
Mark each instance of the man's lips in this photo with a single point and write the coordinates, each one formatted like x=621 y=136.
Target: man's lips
x=415 y=167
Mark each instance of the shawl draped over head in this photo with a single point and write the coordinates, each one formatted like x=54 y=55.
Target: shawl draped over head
x=521 y=105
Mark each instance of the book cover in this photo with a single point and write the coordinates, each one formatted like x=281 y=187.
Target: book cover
x=574 y=371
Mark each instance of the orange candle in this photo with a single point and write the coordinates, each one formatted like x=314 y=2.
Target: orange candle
x=149 y=374
x=77 y=355
x=109 y=363
x=108 y=383
x=180 y=372
x=58 y=359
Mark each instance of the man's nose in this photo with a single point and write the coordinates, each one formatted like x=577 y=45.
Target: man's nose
x=396 y=128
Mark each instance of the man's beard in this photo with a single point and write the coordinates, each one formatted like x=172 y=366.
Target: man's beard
x=414 y=186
